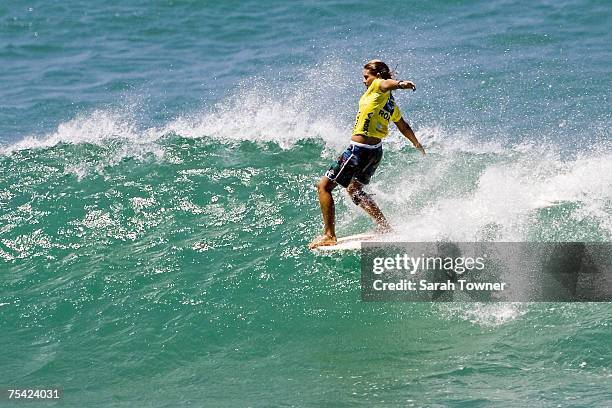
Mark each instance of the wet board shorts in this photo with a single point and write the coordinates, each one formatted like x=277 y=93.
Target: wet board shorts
x=359 y=161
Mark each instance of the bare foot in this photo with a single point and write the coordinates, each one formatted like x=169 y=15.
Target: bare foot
x=383 y=229
x=323 y=240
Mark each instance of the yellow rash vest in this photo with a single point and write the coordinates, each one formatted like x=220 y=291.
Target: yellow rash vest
x=376 y=110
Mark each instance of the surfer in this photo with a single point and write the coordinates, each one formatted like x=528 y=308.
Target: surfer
x=357 y=164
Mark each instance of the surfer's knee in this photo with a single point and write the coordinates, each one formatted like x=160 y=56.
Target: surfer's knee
x=358 y=195
x=325 y=185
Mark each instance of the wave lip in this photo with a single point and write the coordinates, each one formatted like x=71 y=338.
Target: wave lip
x=95 y=128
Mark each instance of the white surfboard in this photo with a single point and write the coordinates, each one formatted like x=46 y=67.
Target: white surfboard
x=350 y=243
x=543 y=203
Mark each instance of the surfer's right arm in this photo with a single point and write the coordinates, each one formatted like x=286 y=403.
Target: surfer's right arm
x=407 y=131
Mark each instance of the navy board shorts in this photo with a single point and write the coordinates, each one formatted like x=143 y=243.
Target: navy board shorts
x=357 y=162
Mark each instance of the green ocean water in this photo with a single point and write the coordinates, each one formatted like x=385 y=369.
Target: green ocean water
x=181 y=275
x=158 y=164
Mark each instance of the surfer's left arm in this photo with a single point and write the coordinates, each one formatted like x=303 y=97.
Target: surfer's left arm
x=393 y=84
x=406 y=130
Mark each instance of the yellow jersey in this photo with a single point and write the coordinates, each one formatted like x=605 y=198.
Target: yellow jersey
x=376 y=110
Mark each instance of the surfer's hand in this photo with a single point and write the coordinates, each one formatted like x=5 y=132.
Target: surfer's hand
x=407 y=85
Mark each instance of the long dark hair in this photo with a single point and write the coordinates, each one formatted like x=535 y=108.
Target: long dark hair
x=379 y=68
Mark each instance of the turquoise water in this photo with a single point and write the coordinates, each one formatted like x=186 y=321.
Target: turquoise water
x=158 y=163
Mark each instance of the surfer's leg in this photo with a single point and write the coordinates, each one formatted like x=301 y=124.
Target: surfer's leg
x=365 y=201
x=369 y=161
x=326 y=200
x=341 y=172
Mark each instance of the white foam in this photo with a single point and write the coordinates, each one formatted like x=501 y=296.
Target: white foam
x=512 y=182
x=274 y=122
x=102 y=128
x=465 y=141
x=94 y=128
x=508 y=192
x=484 y=314
x=282 y=112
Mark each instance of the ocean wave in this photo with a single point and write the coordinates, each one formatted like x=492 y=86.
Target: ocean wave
x=466 y=188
